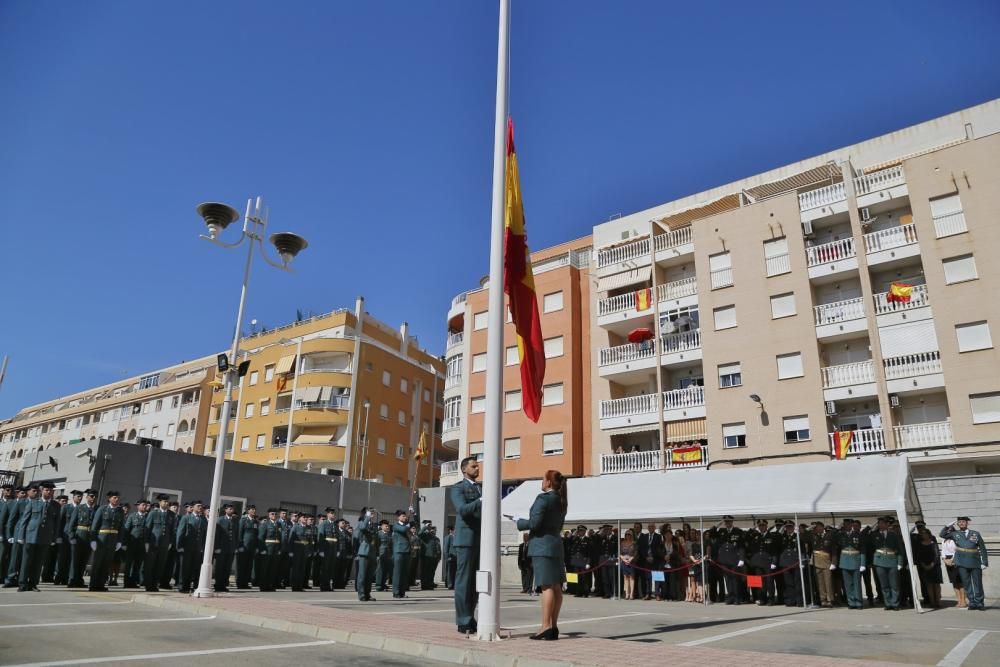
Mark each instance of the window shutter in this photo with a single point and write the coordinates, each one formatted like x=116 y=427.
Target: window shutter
x=796 y=423
x=973 y=336
x=775 y=247
x=720 y=261
x=783 y=305
x=908 y=338
x=958 y=269
x=948 y=205
x=789 y=365
x=730 y=430
x=725 y=317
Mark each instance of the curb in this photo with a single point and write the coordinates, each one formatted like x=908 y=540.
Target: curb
x=407 y=647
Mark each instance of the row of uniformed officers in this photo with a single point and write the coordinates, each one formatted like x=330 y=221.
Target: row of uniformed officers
x=54 y=539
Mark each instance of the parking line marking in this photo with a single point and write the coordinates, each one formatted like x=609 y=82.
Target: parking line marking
x=178 y=654
x=442 y=611
x=578 y=620
x=55 y=604
x=958 y=655
x=21 y=626
x=734 y=633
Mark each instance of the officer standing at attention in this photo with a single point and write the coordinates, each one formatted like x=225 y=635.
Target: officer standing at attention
x=580 y=550
x=77 y=532
x=345 y=555
x=366 y=554
x=400 y=554
x=246 y=547
x=852 y=562
x=731 y=554
x=383 y=539
x=970 y=559
x=226 y=527
x=52 y=554
x=299 y=554
x=7 y=501
x=326 y=549
x=449 y=554
x=416 y=550
x=63 y=548
x=41 y=519
x=429 y=558
x=26 y=495
x=134 y=545
x=824 y=555
x=791 y=545
x=269 y=545
x=191 y=533
x=888 y=561
x=159 y=533
x=107 y=530
x=467 y=499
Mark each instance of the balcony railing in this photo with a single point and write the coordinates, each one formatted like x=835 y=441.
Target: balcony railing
x=830 y=194
x=449 y=467
x=677 y=289
x=951 y=223
x=918 y=299
x=912 y=365
x=678 y=237
x=928 y=434
x=722 y=278
x=860 y=372
x=683 y=398
x=830 y=252
x=461 y=298
x=327 y=369
x=622 y=253
x=455 y=339
x=336 y=403
x=629 y=407
x=893 y=237
x=672 y=465
x=626 y=353
x=630 y=462
x=452 y=381
x=839 y=311
x=680 y=342
x=778 y=264
x=616 y=304
x=452 y=423
x=879 y=180
x=863 y=441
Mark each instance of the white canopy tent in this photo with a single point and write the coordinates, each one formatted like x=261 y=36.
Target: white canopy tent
x=855 y=487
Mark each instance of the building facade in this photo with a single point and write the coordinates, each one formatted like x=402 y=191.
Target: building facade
x=562 y=437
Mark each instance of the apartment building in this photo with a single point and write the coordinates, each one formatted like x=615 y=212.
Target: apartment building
x=851 y=295
x=164 y=407
x=562 y=437
x=341 y=393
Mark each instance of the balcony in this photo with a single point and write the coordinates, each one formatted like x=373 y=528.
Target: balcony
x=840 y=318
x=928 y=434
x=830 y=259
x=848 y=380
x=455 y=339
x=700 y=462
x=674 y=348
x=626 y=303
x=871 y=188
x=890 y=244
x=631 y=462
x=883 y=307
x=627 y=354
x=722 y=278
x=911 y=372
x=680 y=342
x=630 y=411
x=457 y=306
x=622 y=253
x=778 y=264
x=673 y=244
x=831 y=194
x=863 y=441
x=687 y=403
x=950 y=224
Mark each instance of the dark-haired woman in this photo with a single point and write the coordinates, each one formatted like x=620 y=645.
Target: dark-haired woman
x=546 y=549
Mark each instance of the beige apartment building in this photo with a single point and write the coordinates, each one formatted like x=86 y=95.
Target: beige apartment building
x=562 y=437
x=766 y=321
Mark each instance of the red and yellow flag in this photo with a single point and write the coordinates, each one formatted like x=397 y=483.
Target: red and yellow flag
x=842 y=443
x=421 y=447
x=899 y=293
x=519 y=285
x=685 y=455
x=643 y=299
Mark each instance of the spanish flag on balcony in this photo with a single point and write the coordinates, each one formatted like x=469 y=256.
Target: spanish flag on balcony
x=899 y=293
x=519 y=285
x=842 y=443
x=643 y=299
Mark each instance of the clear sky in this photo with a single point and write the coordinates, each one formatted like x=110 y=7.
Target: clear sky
x=368 y=126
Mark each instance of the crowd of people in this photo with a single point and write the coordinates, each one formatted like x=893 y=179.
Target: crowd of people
x=161 y=545
x=772 y=564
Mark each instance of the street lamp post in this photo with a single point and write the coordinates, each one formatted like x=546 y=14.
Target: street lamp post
x=364 y=445
x=217 y=217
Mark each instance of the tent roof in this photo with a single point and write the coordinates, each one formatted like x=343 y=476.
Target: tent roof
x=853 y=486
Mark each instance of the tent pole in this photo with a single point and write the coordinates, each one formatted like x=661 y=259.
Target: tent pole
x=618 y=581
x=910 y=564
x=798 y=546
x=704 y=565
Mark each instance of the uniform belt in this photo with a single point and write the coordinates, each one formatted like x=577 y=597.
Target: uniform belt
x=272 y=541
x=107 y=531
x=849 y=551
x=967 y=550
x=83 y=527
x=884 y=552
x=302 y=542
x=821 y=551
x=330 y=539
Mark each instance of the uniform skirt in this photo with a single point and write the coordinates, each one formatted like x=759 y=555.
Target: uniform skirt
x=549 y=570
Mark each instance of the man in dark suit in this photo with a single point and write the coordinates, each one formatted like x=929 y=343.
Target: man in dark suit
x=467 y=499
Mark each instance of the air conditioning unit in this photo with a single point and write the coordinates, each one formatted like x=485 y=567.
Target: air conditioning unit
x=866 y=216
x=831 y=408
x=807 y=229
x=894 y=400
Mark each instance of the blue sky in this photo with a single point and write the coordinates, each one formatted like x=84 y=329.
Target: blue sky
x=367 y=126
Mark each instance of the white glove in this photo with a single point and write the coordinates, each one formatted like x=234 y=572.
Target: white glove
x=322 y=555
x=832 y=567
x=410 y=509
x=93 y=546
x=862 y=568
x=774 y=567
x=984 y=566
x=899 y=567
x=58 y=540
x=180 y=550
x=118 y=545
x=241 y=550
x=291 y=555
x=72 y=540
x=20 y=541
x=218 y=551
x=147 y=548
x=368 y=514
x=740 y=564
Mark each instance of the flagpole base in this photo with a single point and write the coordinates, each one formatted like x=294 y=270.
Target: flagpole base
x=491 y=637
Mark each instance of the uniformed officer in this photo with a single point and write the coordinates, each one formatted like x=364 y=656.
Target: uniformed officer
x=449 y=556
x=7 y=503
x=225 y=547
x=762 y=554
x=300 y=546
x=467 y=499
x=970 y=559
x=888 y=561
x=867 y=575
x=400 y=554
x=327 y=538
x=77 y=533
x=429 y=558
x=366 y=551
x=731 y=553
x=791 y=548
x=269 y=547
x=311 y=551
x=247 y=547
x=106 y=533
x=158 y=535
x=824 y=561
x=345 y=555
x=14 y=526
x=580 y=550
x=52 y=553
x=64 y=553
x=284 y=561
x=191 y=533
x=852 y=562
x=316 y=562
x=134 y=545
x=41 y=520
x=416 y=549
x=383 y=569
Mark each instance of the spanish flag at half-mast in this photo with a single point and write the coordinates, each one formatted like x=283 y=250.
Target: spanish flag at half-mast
x=519 y=285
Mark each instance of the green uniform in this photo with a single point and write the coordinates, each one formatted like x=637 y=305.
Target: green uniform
x=225 y=548
x=327 y=539
x=400 y=558
x=246 y=550
x=383 y=568
x=430 y=556
x=159 y=534
x=107 y=530
x=366 y=554
x=78 y=532
x=888 y=560
x=135 y=548
x=970 y=559
x=15 y=542
x=63 y=550
x=191 y=533
x=269 y=548
x=467 y=498
x=851 y=561
x=41 y=523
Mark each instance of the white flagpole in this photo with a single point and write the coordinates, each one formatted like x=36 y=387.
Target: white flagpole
x=489 y=558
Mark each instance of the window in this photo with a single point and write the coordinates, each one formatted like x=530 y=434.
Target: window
x=973 y=336
x=947 y=215
x=552 y=444
x=245 y=443
x=146 y=407
x=153 y=432
x=734 y=435
x=248 y=411
x=480 y=320
x=383 y=411
x=427 y=395
x=381 y=445
x=476 y=449
x=170 y=429
x=159 y=405
x=253 y=378
x=959 y=269
x=142 y=433
x=796 y=428
x=399 y=451
x=985 y=407
x=479 y=362
x=512 y=448
x=404 y=385
x=552 y=302
x=512 y=400
x=512 y=358
x=553 y=347
x=783 y=305
x=175 y=401
x=725 y=317
x=402 y=417
x=776 y=257
x=552 y=394
x=268 y=372
x=721 y=269
x=149 y=381
x=790 y=365
x=105 y=416
x=386 y=378
x=265 y=407
x=261 y=440
x=477 y=405
x=730 y=375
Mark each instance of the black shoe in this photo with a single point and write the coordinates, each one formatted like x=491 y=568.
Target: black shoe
x=152 y=590
x=551 y=634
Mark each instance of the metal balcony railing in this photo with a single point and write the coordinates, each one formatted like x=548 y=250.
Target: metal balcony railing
x=722 y=278
x=952 y=223
x=455 y=339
